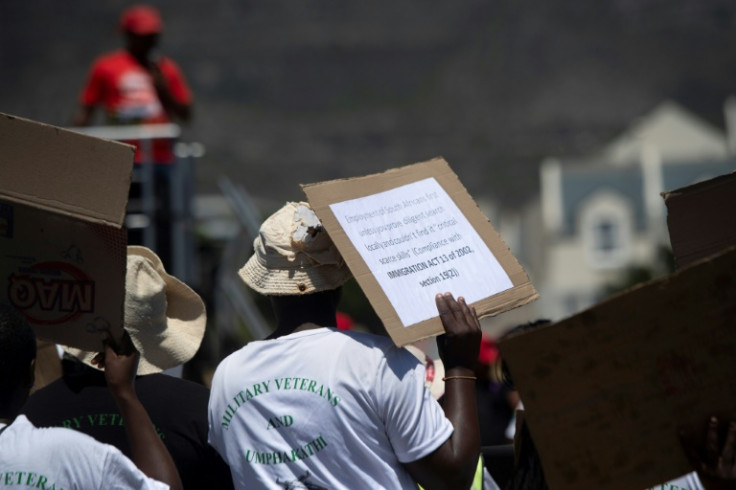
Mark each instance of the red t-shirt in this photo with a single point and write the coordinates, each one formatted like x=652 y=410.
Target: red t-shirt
x=126 y=90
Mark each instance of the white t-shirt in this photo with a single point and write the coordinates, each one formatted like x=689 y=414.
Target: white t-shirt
x=687 y=482
x=57 y=458
x=323 y=408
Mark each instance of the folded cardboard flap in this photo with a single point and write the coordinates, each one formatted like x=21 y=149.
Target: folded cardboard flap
x=700 y=218
x=51 y=168
x=62 y=243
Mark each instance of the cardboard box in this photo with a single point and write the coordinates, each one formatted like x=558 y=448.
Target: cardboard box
x=62 y=244
x=412 y=232
x=605 y=391
x=700 y=218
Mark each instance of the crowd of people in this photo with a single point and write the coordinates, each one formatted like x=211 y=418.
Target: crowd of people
x=314 y=405
x=310 y=406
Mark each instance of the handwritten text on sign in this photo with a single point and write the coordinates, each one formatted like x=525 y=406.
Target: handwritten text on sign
x=417 y=243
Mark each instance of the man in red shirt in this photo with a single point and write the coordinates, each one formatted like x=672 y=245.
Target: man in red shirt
x=136 y=86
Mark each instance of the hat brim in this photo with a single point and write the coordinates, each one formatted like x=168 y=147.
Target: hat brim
x=186 y=320
x=294 y=281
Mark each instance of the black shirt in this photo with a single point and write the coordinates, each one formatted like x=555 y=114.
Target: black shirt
x=494 y=412
x=81 y=401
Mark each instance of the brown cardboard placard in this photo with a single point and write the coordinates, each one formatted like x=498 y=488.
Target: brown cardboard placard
x=62 y=246
x=416 y=233
x=605 y=391
x=700 y=218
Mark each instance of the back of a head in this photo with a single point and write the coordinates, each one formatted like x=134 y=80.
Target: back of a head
x=525 y=327
x=17 y=350
x=141 y=26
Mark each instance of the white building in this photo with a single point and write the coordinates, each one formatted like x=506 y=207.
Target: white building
x=604 y=213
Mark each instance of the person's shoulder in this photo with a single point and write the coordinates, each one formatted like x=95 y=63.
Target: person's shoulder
x=50 y=390
x=59 y=435
x=232 y=360
x=41 y=400
x=167 y=61
x=110 y=57
x=237 y=354
x=380 y=344
x=169 y=66
x=165 y=383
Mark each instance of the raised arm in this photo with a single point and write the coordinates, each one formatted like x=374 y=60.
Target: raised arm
x=714 y=456
x=453 y=464
x=148 y=451
x=172 y=106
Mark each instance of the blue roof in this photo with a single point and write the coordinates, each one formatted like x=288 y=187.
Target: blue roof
x=679 y=174
x=579 y=182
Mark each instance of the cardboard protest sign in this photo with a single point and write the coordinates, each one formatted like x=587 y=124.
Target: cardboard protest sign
x=605 y=391
x=62 y=245
x=412 y=232
x=700 y=218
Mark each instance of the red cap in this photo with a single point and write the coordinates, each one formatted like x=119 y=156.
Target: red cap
x=344 y=321
x=488 y=351
x=141 y=20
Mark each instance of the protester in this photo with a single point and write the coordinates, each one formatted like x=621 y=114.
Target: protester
x=136 y=85
x=496 y=402
x=712 y=455
x=60 y=458
x=166 y=322
x=434 y=372
x=312 y=406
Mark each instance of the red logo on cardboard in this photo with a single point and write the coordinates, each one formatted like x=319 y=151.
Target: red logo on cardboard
x=52 y=293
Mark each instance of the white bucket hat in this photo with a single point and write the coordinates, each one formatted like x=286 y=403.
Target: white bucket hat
x=294 y=255
x=164 y=317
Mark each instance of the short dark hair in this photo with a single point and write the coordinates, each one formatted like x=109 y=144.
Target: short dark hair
x=17 y=350
x=505 y=373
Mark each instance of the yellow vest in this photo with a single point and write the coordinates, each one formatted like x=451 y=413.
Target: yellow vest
x=477 y=478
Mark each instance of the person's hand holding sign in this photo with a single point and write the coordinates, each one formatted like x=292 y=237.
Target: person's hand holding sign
x=458 y=348
x=714 y=458
x=120 y=363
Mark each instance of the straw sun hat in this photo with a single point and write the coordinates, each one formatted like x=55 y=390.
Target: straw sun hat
x=294 y=255
x=165 y=318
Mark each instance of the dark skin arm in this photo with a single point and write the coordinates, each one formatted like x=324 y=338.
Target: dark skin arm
x=183 y=112
x=148 y=451
x=452 y=465
x=715 y=461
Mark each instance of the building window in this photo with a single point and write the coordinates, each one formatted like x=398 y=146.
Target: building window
x=606 y=226
x=605 y=236
x=608 y=245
